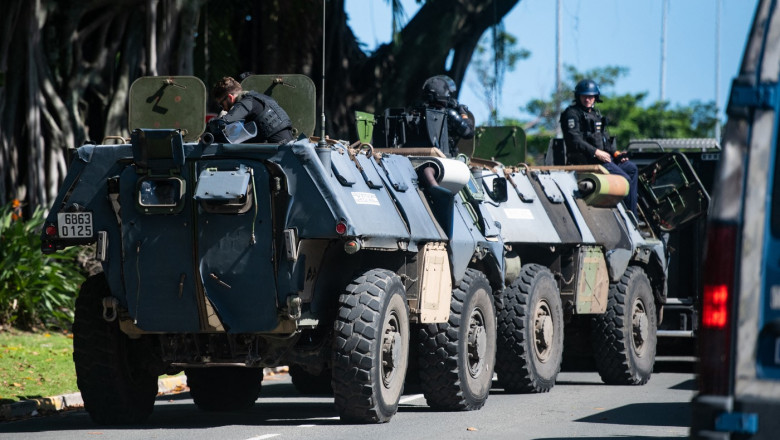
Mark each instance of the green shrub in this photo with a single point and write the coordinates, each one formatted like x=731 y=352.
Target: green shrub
x=35 y=289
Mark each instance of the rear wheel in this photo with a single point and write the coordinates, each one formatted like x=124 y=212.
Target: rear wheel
x=624 y=338
x=456 y=358
x=530 y=332
x=113 y=372
x=371 y=347
x=308 y=383
x=224 y=388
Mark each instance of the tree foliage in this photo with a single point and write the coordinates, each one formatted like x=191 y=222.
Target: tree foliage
x=496 y=54
x=628 y=117
x=36 y=290
x=66 y=65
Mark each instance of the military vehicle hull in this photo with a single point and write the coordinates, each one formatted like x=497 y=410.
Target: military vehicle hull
x=221 y=259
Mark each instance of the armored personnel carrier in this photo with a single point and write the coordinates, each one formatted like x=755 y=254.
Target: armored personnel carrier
x=221 y=259
x=576 y=262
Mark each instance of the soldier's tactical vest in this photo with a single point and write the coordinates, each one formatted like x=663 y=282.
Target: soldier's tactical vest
x=592 y=126
x=273 y=118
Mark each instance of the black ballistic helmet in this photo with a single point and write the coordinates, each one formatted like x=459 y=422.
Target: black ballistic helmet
x=439 y=88
x=587 y=87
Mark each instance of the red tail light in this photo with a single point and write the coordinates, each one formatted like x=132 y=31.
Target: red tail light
x=51 y=230
x=714 y=311
x=716 y=319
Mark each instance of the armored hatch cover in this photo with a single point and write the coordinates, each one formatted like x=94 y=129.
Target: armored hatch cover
x=295 y=93
x=505 y=144
x=168 y=102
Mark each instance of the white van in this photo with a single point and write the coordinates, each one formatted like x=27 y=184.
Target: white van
x=739 y=332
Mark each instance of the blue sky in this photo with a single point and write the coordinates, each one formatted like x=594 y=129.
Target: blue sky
x=598 y=33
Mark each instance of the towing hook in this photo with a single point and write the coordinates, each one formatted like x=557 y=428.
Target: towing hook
x=109 y=308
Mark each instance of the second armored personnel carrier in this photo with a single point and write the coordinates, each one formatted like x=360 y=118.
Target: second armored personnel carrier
x=579 y=264
x=576 y=262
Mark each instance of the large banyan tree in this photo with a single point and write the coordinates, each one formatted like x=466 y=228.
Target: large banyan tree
x=66 y=65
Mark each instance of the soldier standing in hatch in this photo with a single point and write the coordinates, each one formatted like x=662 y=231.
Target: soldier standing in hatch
x=273 y=124
x=587 y=140
x=439 y=93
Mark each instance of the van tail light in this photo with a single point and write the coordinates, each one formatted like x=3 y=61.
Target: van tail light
x=714 y=339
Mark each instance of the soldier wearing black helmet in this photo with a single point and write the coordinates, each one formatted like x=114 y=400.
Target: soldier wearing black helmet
x=439 y=92
x=588 y=142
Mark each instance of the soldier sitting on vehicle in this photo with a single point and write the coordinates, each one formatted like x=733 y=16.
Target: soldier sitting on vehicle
x=273 y=124
x=587 y=140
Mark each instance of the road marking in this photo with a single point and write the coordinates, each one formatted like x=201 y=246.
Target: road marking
x=306 y=426
x=410 y=398
x=264 y=436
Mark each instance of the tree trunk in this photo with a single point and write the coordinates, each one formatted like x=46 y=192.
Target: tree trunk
x=66 y=65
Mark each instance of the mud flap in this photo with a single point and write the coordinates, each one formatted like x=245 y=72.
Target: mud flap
x=592 y=281
x=436 y=284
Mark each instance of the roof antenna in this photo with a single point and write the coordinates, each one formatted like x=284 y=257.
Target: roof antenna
x=323 y=150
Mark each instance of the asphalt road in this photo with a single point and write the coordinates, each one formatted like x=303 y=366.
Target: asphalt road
x=579 y=406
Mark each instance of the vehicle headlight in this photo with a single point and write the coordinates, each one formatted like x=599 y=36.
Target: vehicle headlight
x=160 y=195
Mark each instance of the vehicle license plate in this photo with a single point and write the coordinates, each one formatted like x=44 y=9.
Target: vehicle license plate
x=75 y=224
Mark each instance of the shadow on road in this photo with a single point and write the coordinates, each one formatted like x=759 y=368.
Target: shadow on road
x=647 y=414
x=613 y=438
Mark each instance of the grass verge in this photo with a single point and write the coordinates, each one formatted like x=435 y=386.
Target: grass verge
x=34 y=365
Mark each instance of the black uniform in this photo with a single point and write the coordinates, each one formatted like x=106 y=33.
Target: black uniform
x=584 y=131
x=273 y=124
x=439 y=93
x=460 y=125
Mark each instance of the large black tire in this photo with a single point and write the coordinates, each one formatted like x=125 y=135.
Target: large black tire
x=456 y=358
x=224 y=388
x=112 y=371
x=624 y=338
x=370 y=347
x=530 y=332
x=312 y=384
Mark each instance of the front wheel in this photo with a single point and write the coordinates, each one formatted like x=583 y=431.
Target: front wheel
x=624 y=338
x=370 y=347
x=456 y=358
x=530 y=332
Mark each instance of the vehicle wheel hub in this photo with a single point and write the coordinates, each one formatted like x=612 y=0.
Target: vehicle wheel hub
x=543 y=331
x=477 y=343
x=391 y=351
x=640 y=326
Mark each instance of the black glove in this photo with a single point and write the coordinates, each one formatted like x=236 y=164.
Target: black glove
x=620 y=155
x=452 y=115
x=459 y=125
x=215 y=127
